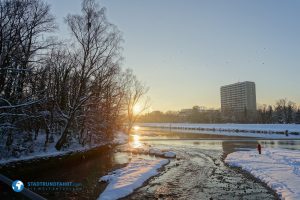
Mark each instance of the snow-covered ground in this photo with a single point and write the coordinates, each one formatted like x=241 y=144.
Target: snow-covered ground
x=40 y=152
x=278 y=168
x=124 y=181
x=275 y=131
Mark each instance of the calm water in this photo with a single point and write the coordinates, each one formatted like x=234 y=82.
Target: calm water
x=226 y=143
x=198 y=171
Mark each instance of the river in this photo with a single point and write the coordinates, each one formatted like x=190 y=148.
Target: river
x=197 y=173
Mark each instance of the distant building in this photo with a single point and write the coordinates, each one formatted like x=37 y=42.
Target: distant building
x=238 y=97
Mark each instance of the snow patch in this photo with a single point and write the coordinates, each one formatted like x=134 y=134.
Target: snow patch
x=278 y=168
x=124 y=181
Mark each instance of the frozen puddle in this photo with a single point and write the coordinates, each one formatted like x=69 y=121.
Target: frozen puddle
x=278 y=168
x=124 y=181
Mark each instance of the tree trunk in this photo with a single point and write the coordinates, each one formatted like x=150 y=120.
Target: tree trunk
x=47 y=135
x=36 y=130
x=63 y=139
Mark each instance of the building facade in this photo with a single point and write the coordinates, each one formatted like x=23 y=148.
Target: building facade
x=238 y=97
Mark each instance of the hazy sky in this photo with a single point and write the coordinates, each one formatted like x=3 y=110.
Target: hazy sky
x=186 y=49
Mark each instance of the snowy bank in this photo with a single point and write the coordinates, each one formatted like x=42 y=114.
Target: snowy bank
x=276 y=131
x=124 y=181
x=278 y=168
x=41 y=153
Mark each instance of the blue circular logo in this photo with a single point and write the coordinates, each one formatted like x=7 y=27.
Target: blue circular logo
x=17 y=186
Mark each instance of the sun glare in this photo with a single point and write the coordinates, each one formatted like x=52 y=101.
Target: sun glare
x=136 y=128
x=136 y=138
x=137 y=109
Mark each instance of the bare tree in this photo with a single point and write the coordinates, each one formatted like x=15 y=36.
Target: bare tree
x=96 y=55
x=22 y=25
x=76 y=92
x=135 y=94
x=284 y=110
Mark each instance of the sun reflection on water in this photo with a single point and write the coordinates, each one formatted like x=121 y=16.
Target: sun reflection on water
x=135 y=141
x=136 y=128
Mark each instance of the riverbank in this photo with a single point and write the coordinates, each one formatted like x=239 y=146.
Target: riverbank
x=120 y=138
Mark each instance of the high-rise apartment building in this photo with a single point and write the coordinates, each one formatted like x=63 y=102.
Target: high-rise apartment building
x=238 y=97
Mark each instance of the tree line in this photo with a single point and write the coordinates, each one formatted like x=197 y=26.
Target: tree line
x=73 y=89
x=283 y=112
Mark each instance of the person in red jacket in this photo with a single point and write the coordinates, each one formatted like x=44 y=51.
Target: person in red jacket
x=259 y=148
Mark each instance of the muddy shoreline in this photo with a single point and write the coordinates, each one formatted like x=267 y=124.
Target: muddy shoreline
x=249 y=175
x=237 y=169
x=199 y=173
x=160 y=170
x=229 y=147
